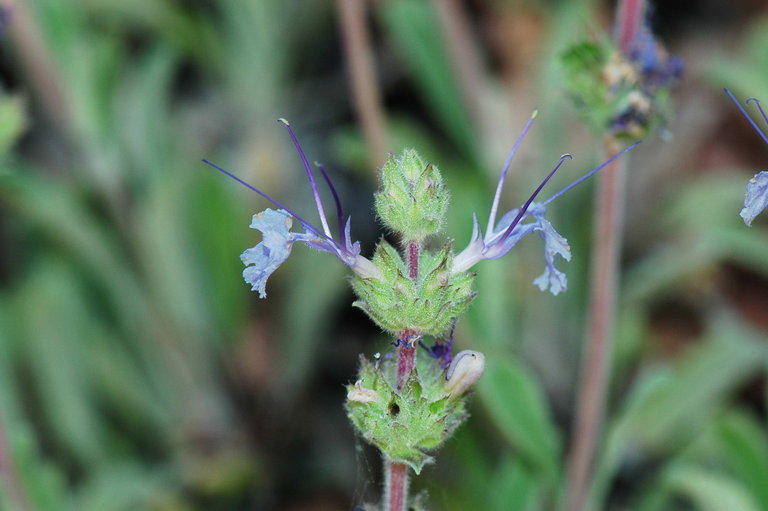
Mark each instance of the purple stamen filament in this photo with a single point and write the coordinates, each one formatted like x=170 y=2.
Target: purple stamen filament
x=339 y=210
x=751 y=121
x=497 y=197
x=759 y=107
x=311 y=176
x=306 y=224
x=587 y=175
x=528 y=203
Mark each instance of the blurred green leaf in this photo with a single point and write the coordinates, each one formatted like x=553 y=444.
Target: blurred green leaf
x=515 y=402
x=745 y=451
x=416 y=34
x=710 y=491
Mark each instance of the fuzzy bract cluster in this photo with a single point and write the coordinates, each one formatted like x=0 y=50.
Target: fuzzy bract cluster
x=404 y=424
x=413 y=199
x=428 y=305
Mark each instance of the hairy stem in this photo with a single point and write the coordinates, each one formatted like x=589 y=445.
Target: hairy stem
x=396 y=474
x=395 y=486
x=362 y=78
x=595 y=367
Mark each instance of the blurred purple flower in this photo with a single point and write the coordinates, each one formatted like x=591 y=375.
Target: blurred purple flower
x=500 y=237
x=756 y=196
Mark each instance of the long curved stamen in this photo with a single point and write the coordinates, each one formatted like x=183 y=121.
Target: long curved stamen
x=751 y=121
x=497 y=197
x=527 y=204
x=306 y=224
x=759 y=107
x=339 y=210
x=311 y=176
x=587 y=175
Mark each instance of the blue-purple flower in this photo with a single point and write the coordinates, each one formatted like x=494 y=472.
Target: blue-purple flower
x=277 y=239
x=756 y=196
x=501 y=236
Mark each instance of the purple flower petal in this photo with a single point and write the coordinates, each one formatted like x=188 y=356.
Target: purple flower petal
x=756 y=197
x=275 y=247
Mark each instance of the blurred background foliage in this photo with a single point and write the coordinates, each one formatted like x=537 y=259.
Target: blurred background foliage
x=137 y=372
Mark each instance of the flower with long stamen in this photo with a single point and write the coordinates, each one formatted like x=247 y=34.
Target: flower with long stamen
x=500 y=237
x=277 y=239
x=756 y=195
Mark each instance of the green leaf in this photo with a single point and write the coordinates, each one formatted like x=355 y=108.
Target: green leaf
x=519 y=408
x=710 y=491
x=745 y=448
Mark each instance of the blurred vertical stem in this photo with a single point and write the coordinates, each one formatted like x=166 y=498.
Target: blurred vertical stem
x=604 y=286
x=362 y=76
x=396 y=474
x=8 y=474
x=38 y=64
x=604 y=280
x=464 y=57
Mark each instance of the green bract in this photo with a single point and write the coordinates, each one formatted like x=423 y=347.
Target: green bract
x=413 y=200
x=427 y=306
x=405 y=425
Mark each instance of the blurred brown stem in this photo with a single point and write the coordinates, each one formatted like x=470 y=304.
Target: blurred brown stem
x=9 y=477
x=596 y=359
x=362 y=77
x=38 y=64
x=463 y=55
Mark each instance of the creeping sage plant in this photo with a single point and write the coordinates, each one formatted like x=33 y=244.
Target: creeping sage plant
x=406 y=406
x=756 y=196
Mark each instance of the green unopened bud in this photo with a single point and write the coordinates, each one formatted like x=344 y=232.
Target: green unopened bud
x=466 y=368
x=413 y=200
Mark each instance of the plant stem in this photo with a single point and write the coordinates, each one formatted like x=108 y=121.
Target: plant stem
x=395 y=486
x=8 y=473
x=406 y=351
x=595 y=367
x=463 y=55
x=362 y=78
x=413 y=260
x=396 y=474
x=629 y=17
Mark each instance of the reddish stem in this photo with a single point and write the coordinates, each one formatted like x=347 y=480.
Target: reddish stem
x=629 y=17
x=413 y=260
x=406 y=358
x=595 y=368
x=396 y=486
x=396 y=474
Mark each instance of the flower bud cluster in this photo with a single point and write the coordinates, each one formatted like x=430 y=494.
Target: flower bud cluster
x=409 y=423
x=413 y=200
